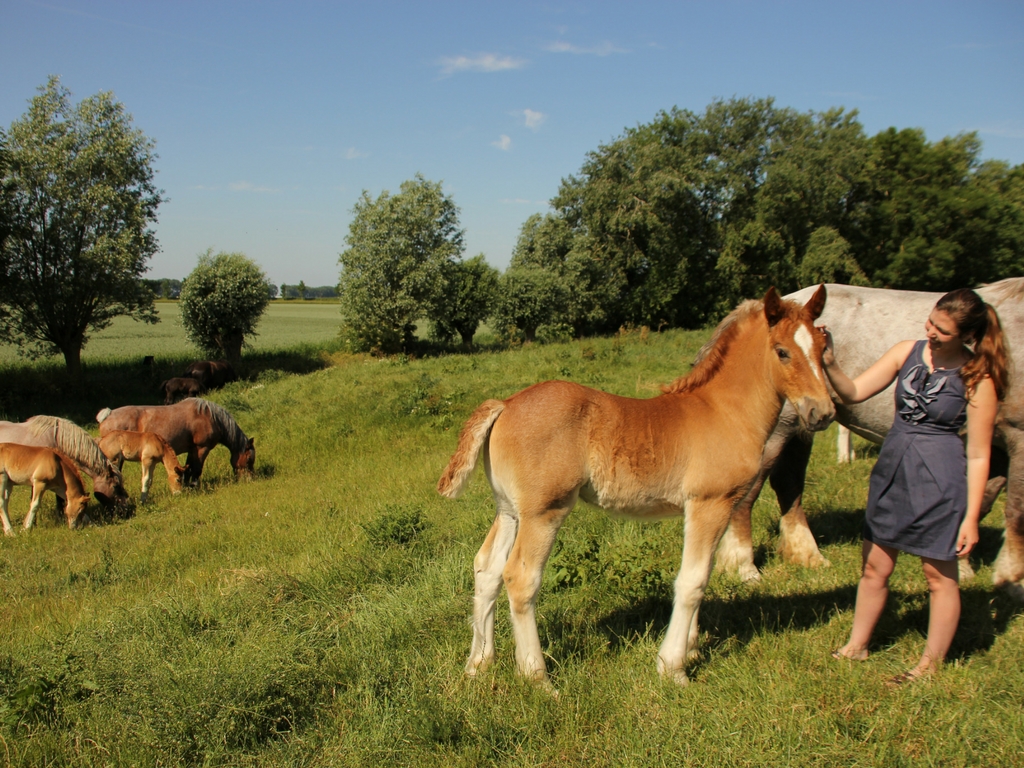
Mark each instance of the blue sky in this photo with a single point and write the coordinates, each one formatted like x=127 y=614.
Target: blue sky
x=271 y=118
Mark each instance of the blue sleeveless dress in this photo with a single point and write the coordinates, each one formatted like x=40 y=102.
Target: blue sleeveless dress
x=917 y=497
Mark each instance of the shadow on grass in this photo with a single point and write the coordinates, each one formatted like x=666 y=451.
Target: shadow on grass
x=730 y=622
x=837 y=526
x=31 y=388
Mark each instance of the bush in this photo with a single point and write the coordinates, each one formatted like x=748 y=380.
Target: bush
x=221 y=303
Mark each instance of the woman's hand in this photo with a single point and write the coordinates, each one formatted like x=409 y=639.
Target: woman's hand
x=828 y=356
x=967 y=539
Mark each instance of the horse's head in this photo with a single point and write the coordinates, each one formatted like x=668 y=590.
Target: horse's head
x=797 y=347
x=74 y=510
x=176 y=478
x=245 y=461
x=108 y=486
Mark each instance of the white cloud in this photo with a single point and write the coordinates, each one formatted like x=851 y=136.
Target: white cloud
x=604 y=49
x=534 y=119
x=1004 y=130
x=353 y=154
x=248 y=186
x=504 y=143
x=482 y=62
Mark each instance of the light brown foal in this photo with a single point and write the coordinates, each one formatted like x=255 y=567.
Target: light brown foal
x=695 y=450
x=45 y=470
x=147 y=448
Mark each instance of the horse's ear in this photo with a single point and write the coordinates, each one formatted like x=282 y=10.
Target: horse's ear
x=773 y=308
x=816 y=304
x=252 y=442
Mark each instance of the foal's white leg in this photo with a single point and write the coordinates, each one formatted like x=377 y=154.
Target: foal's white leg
x=523 y=575
x=147 y=479
x=487 y=567
x=5 y=497
x=705 y=523
x=38 y=489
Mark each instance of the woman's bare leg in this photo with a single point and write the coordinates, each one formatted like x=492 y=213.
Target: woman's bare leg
x=872 y=592
x=943 y=612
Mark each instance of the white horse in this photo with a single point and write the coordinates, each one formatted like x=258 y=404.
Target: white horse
x=865 y=322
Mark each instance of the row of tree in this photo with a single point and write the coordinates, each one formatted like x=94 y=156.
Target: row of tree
x=672 y=223
x=676 y=221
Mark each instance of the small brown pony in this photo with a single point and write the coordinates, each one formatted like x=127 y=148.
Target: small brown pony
x=177 y=389
x=147 y=448
x=194 y=426
x=45 y=470
x=695 y=450
x=212 y=374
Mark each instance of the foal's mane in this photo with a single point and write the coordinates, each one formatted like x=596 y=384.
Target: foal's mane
x=233 y=434
x=711 y=356
x=1010 y=288
x=71 y=441
x=69 y=463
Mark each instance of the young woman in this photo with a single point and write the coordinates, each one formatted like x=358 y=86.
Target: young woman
x=925 y=494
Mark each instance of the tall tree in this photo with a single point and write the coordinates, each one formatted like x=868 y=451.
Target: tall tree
x=222 y=301
x=81 y=203
x=471 y=288
x=393 y=271
x=935 y=217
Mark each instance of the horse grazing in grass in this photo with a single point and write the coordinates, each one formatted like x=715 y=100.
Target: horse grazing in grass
x=147 y=448
x=212 y=374
x=76 y=444
x=865 y=322
x=45 y=470
x=193 y=426
x=695 y=450
x=179 y=388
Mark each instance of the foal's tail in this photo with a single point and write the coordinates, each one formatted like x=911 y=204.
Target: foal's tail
x=102 y=415
x=471 y=440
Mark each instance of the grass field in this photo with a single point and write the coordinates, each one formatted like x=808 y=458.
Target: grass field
x=285 y=324
x=317 y=616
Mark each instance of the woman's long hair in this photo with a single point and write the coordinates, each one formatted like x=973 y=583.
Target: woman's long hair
x=978 y=322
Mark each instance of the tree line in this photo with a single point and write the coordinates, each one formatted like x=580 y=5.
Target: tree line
x=676 y=221
x=670 y=224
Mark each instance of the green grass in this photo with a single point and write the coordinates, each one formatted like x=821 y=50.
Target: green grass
x=284 y=324
x=317 y=616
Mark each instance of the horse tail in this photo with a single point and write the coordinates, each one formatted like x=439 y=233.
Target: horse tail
x=102 y=415
x=471 y=440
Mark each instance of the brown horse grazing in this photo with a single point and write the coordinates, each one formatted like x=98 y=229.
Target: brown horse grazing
x=212 y=374
x=74 y=442
x=193 y=426
x=45 y=470
x=695 y=450
x=176 y=389
x=147 y=448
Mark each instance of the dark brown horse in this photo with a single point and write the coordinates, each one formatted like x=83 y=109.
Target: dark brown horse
x=193 y=426
x=212 y=374
x=75 y=443
x=179 y=388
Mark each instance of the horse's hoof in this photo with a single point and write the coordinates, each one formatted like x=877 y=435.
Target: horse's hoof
x=676 y=676
x=749 y=573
